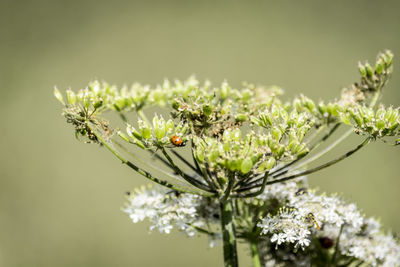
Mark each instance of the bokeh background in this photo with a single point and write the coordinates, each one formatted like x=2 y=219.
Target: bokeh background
x=60 y=200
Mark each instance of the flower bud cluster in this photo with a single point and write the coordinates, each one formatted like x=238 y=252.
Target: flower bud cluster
x=373 y=78
x=380 y=123
x=157 y=135
x=234 y=152
x=101 y=96
x=285 y=131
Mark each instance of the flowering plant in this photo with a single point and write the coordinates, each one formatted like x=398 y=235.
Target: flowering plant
x=235 y=161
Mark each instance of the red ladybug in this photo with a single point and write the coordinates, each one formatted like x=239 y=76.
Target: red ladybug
x=177 y=141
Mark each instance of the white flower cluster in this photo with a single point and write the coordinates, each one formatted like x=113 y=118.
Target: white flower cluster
x=309 y=217
x=167 y=209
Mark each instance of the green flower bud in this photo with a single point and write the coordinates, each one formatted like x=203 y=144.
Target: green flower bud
x=276 y=133
x=86 y=99
x=280 y=151
x=222 y=180
x=266 y=120
x=379 y=66
x=226 y=147
x=160 y=131
x=207 y=110
x=246 y=94
x=231 y=164
x=213 y=156
x=297 y=104
x=236 y=134
x=58 y=95
x=133 y=133
x=310 y=105
x=145 y=132
x=302 y=152
x=224 y=91
x=390 y=56
x=241 y=117
x=246 y=166
x=345 y=118
x=98 y=104
x=380 y=124
x=175 y=104
x=369 y=70
x=332 y=109
x=393 y=126
x=123 y=136
x=200 y=155
x=292 y=144
x=270 y=163
x=120 y=103
x=362 y=69
x=169 y=126
x=71 y=97
x=79 y=96
x=322 y=109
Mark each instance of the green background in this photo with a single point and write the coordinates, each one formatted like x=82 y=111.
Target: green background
x=60 y=200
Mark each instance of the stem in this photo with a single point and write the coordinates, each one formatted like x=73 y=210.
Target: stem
x=323 y=166
x=183 y=175
x=228 y=234
x=285 y=169
x=326 y=150
x=337 y=245
x=149 y=165
x=260 y=191
x=228 y=189
x=140 y=171
x=255 y=254
x=186 y=162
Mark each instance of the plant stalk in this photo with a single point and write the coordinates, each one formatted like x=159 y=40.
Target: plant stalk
x=255 y=254
x=228 y=234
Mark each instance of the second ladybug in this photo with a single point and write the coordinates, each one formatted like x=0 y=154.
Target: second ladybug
x=177 y=141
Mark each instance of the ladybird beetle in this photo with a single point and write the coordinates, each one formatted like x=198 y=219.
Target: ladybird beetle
x=177 y=141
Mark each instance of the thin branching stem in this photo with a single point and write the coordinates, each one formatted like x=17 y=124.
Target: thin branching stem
x=141 y=171
x=260 y=191
x=183 y=175
x=186 y=162
x=318 y=168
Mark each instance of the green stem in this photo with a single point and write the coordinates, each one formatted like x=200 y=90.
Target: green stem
x=333 y=260
x=147 y=164
x=255 y=254
x=326 y=150
x=318 y=168
x=228 y=234
x=138 y=170
x=183 y=175
x=323 y=166
x=258 y=192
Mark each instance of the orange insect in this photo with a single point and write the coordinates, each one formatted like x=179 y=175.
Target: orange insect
x=177 y=141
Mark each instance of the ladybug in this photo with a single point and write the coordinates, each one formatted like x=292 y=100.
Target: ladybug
x=177 y=141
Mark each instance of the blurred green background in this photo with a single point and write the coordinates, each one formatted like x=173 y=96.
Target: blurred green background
x=60 y=200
